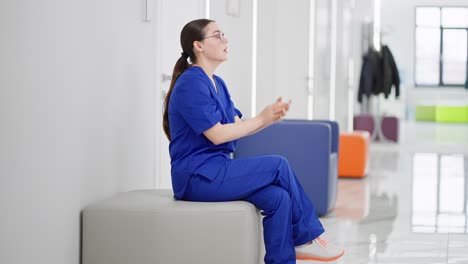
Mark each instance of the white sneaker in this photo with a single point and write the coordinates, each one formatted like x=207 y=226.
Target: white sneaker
x=319 y=250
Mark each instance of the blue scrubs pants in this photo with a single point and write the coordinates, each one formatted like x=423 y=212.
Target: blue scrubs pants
x=269 y=183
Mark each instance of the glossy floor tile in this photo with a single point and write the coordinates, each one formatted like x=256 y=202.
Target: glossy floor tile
x=412 y=206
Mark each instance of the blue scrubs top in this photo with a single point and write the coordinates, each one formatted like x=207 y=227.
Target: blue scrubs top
x=194 y=107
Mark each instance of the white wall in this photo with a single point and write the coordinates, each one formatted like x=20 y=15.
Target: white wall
x=398 y=34
x=77 y=118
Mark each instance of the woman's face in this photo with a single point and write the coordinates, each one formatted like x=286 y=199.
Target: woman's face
x=214 y=44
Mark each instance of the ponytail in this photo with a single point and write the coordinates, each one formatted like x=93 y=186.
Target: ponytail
x=192 y=31
x=180 y=66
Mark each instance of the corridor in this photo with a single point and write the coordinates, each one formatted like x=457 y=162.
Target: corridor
x=412 y=207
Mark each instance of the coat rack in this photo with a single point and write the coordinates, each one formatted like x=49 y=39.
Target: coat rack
x=370 y=117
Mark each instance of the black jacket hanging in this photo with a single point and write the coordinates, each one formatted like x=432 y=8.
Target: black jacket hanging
x=371 y=75
x=389 y=73
x=379 y=74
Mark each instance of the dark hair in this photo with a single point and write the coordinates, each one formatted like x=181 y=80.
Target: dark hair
x=192 y=31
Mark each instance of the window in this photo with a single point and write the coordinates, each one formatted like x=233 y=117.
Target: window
x=441 y=48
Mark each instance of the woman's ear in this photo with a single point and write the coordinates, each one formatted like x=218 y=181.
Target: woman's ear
x=197 y=46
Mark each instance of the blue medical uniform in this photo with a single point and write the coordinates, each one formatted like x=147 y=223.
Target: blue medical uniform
x=202 y=171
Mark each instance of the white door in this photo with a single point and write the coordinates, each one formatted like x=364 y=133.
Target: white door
x=322 y=59
x=344 y=80
x=292 y=45
x=172 y=15
x=283 y=59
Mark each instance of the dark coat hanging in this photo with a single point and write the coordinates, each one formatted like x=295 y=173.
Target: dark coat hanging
x=379 y=74
x=389 y=73
x=370 y=74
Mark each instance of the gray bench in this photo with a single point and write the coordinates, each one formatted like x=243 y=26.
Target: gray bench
x=150 y=227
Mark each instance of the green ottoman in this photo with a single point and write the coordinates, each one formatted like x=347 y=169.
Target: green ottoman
x=426 y=113
x=451 y=113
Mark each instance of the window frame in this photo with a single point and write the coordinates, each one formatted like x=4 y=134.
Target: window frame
x=441 y=46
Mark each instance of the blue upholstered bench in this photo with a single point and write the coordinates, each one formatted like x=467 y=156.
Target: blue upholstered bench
x=311 y=148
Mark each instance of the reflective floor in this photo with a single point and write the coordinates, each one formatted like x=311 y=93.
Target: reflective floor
x=412 y=207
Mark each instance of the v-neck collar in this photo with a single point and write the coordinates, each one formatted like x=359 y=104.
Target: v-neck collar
x=212 y=82
x=220 y=95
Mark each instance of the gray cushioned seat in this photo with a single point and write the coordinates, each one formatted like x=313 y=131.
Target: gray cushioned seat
x=150 y=227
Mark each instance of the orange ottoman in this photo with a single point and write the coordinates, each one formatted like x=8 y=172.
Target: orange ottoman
x=353 y=154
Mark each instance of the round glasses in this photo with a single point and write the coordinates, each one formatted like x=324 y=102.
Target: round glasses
x=219 y=36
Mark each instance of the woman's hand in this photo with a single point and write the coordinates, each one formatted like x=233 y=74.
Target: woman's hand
x=274 y=112
x=222 y=133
